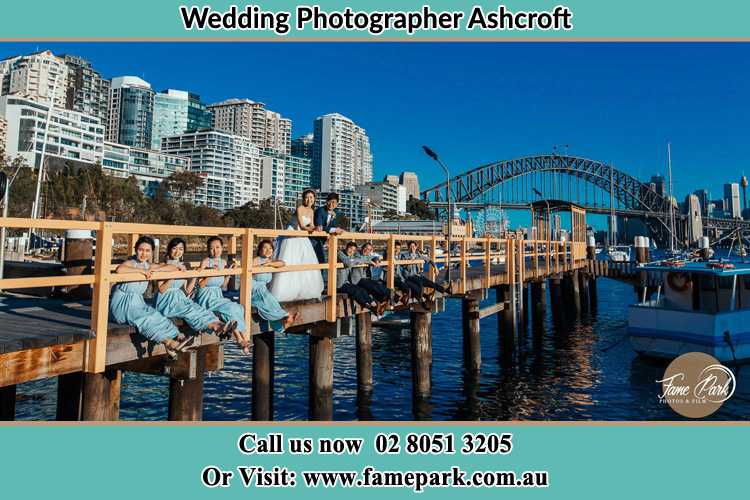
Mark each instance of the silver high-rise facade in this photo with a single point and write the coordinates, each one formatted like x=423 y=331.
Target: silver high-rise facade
x=341 y=154
x=86 y=91
x=265 y=128
x=131 y=112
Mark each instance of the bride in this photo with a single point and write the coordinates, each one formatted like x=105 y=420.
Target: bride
x=298 y=285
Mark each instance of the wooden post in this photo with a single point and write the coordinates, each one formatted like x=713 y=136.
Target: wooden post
x=78 y=260
x=333 y=247
x=538 y=300
x=263 y=375
x=101 y=396
x=536 y=259
x=593 y=297
x=432 y=270
x=246 y=278
x=463 y=265
x=96 y=348
x=364 y=353
x=231 y=259
x=69 y=396
x=186 y=394
x=421 y=353
x=132 y=238
x=487 y=262
x=555 y=295
x=321 y=371
x=583 y=289
x=392 y=261
x=7 y=403
x=471 y=341
x=576 y=291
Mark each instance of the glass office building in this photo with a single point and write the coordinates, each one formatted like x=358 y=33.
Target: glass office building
x=177 y=112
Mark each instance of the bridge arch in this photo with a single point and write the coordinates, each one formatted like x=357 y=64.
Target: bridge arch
x=630 y=193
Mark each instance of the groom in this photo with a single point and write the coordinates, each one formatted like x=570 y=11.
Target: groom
x=325 y=217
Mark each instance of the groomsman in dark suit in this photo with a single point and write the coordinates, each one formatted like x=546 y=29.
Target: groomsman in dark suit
x=325 y=218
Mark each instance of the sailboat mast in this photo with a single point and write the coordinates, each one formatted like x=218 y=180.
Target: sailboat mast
x=671 y=205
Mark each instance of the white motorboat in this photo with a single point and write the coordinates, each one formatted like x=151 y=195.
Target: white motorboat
x=620 y=253
x=704 y=307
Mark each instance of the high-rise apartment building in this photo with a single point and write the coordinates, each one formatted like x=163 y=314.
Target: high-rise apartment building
x=177 y=112
x=265 y=128
x=71 y=136
x=411 y=182
x=86 y=91
x=284 y=177
x=302 y=147
x=732 y=207
x=393 y=179
x=230 y=165
x=351 y=205
x=131 y=112
x=382 y=194
x=35 y=76
x=149 y=167
x=341 y=154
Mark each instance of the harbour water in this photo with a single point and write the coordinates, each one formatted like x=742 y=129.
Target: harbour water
x=581 y=370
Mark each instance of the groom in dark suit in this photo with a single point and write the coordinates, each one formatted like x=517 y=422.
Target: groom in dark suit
x=325 y=218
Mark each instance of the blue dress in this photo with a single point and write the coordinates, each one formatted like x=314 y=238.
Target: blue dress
x=212 y=298
x=263 y=300
x=127 y=306
x=173 y=303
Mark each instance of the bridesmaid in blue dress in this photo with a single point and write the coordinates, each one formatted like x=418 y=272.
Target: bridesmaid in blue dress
x=127 y=306
x=173 y=300
x=209 y=293
x=265 y=303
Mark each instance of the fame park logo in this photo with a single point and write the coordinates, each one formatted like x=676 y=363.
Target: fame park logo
x=695 y=385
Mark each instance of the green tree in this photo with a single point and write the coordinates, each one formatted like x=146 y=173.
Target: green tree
x=419 y=209
x=260 y=215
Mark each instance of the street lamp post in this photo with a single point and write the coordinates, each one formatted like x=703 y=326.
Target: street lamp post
x=5 y=190
x=434 y=156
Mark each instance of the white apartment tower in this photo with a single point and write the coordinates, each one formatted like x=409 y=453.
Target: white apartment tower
x=71 y=136
x=35 y=76
x=230 y=165
x=265 y=128
x=341 y=154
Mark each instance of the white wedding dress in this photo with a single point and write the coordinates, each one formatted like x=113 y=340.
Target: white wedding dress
x=297 y=285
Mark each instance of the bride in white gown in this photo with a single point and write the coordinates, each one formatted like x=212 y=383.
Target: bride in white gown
x=298 y=285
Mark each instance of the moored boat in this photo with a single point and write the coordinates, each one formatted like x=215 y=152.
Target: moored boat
x=704 y=307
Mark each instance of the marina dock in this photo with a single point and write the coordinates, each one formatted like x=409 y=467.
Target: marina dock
x=75 y=341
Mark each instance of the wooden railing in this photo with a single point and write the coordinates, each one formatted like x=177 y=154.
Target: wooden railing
x=547 y=257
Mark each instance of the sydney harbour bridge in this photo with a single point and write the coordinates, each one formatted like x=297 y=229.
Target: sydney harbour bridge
x=598 y=187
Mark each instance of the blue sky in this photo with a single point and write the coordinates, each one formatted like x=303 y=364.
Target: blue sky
x=479 y=102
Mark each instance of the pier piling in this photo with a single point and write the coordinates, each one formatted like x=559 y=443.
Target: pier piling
x=101 y=396
x=583 y=290
x=471 y=343
x=364 y=353
x=8 y=403
x=186 y=393
x=263 y=375
x=69 y=396
x=421 y=352
x=575 y=291
x=321 y=371
x=538 y=300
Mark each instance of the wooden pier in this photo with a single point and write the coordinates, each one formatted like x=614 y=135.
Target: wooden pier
x=75 y=341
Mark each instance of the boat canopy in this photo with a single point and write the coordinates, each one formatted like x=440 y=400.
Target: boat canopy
x=713 y=268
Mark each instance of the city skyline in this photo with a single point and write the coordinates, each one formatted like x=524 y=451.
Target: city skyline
x=615 y=103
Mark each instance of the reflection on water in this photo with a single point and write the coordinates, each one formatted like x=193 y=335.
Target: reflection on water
x=559 y=368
